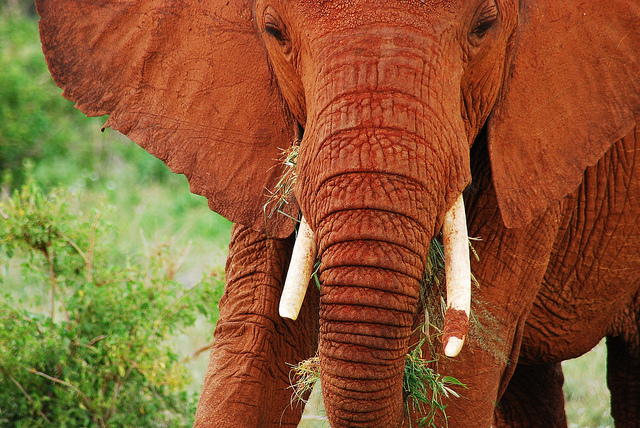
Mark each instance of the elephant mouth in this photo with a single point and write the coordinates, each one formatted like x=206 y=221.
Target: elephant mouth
x=457 y=275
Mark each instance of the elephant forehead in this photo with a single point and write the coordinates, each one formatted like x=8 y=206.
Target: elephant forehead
x=335 y=15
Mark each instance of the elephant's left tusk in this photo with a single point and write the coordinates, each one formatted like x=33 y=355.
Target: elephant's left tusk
x=300 y=270
x=458 y=277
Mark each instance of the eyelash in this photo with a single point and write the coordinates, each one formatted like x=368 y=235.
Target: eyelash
x=273 y=30
x=482 y=27
x=486 y=20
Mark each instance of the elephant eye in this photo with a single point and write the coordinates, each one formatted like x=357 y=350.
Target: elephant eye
x=485 y=21
x=275 y=32
x=482 y=28
x=273 y=26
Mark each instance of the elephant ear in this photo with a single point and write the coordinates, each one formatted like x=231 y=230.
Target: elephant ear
x=187 y=81
x=573 y=89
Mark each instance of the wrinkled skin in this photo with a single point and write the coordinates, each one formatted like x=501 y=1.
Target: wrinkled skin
x=532 y=106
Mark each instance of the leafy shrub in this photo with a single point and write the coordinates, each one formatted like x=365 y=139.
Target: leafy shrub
x=100 y=354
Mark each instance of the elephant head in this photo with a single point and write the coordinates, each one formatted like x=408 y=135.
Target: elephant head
x=388 y=100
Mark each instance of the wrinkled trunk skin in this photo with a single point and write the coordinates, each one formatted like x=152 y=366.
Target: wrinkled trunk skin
x=380 y=163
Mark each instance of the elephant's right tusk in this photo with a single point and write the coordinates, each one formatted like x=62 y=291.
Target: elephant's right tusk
x=300 y=270
x=458 y=277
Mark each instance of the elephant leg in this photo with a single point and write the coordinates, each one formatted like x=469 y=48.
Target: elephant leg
x=623 y=377
x=534 y=398
x=247 y=381
x=511 y=265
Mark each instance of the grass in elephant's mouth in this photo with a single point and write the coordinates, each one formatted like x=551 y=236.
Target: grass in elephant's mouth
x=482 y=323
x=424 y=388
x=283 y=191
x=303 y=377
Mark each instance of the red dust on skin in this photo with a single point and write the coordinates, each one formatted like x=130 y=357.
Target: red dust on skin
x=456 y=325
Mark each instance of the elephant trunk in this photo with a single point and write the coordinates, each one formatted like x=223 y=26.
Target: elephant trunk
x=457 y=274
x=370 y=288
x=381 y=161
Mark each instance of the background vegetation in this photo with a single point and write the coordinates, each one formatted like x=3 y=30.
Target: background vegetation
x=130 y=259
x=110 y=269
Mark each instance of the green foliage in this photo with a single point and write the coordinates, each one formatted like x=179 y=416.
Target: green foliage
x=101 y=355
x=424 y=388
x=34 y=119
x=24 y=7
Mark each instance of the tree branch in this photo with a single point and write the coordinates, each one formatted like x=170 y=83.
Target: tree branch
x=197 y=353
x=84 y=398
x=24 y=392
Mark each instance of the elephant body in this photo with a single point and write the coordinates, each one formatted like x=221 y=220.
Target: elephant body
x=573 y=276
x=527 y=108
x=593 y=272
x=574 y=280
x=591 y=287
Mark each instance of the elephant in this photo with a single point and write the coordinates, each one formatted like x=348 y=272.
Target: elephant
x=529 y=109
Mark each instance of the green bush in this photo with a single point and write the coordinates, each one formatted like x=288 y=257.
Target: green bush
x=97 y=352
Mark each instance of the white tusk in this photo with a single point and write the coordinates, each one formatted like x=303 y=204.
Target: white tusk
x=453 y=346
x=458 y=277
x=300 y=270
